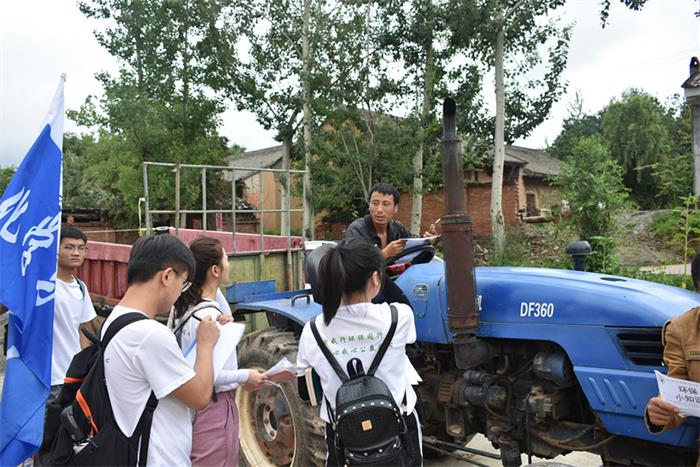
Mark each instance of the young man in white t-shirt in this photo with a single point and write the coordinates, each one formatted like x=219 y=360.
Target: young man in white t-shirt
x=72 y=306
x=144 y=356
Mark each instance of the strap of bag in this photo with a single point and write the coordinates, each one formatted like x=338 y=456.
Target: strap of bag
x=327 y=353
x=186 y=317
x=144 y=425
x=117 y=325
x=81 y=285
x=144 y=428
x=385 y=343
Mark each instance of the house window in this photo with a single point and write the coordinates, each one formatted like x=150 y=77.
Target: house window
x=240 y=189
x=531 y=204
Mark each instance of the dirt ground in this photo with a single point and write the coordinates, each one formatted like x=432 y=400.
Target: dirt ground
x=638 y=247
x=578 y=459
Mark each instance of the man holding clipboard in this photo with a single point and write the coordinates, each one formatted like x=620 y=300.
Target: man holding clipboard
x=381 y=229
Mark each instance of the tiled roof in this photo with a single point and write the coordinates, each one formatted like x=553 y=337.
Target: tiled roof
x=537 y=162
x=259 y=159
x=692 y=82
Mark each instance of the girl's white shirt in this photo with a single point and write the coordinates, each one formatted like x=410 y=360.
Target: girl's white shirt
x=357 y=331
x=230 y=377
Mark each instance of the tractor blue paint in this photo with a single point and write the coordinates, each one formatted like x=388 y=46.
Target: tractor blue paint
x=580 y=312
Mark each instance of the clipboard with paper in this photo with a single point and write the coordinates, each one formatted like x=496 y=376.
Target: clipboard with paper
x=685 y=394
x=230 y=335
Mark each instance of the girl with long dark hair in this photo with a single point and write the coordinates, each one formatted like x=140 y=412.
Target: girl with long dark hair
x=351 y=326
x=215 y=430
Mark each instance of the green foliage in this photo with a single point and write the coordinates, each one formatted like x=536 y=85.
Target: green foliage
x=636 y=129
x=536 y=245
x=689 y=223
x=674 y=171
x=592 y=184
x=163 y=105
x=577 y=125
x=6 y=174
x=605 y=8
x=674 y=177
x=603 y=258
x=349 y=160
x=530 y=44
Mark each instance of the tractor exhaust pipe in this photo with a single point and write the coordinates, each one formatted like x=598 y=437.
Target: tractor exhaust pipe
x=462 y=311
x=462 y=308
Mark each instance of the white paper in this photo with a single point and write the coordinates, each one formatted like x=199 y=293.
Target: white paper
x=229 y=337
x=282 y=365
x=411 y=242
x=680 y=392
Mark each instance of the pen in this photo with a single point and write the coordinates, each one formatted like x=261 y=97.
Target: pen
x=189 y=347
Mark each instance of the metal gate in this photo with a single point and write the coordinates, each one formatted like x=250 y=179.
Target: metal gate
x=284 y=212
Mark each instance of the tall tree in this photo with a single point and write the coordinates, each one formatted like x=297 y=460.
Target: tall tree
x=490 y=30
x=415 y=33
x=636 y=129
x=164 y=103
x=284 y=73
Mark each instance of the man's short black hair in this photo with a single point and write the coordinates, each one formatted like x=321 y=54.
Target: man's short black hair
x=152 y=254
x=71 y=232
x=385 y=189
x=695 y=270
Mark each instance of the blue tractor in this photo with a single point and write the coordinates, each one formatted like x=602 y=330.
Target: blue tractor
x=540 y=361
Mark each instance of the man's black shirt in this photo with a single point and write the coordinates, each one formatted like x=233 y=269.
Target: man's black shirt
x=363 y=228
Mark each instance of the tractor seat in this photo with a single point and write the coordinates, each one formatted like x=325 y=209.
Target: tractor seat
x=311 y=269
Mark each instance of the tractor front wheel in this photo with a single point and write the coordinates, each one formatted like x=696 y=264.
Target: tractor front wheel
x=276 y=427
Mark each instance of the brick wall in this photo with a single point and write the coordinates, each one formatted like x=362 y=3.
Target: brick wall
x=478 y=207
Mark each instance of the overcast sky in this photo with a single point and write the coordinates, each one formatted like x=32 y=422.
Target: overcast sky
x=39 y=40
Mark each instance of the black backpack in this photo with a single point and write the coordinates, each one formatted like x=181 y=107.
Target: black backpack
x=368 y=423
x=81 y=418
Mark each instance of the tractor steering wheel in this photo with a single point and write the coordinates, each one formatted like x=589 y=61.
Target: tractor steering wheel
x=418 y=254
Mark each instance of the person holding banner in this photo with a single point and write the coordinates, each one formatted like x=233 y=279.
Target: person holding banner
x=215 y=430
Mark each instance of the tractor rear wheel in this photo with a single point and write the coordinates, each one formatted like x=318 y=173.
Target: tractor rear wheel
x=276 y=427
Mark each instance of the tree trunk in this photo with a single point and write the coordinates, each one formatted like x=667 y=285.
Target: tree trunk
x=286 y=157
x=308 y=218
x=497 y=221
x=417 y=206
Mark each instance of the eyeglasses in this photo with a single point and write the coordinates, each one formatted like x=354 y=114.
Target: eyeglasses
x=185 y=285
x=74 y=248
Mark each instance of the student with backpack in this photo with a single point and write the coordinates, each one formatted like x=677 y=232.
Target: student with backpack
x=358 y=350
x=73 y=310
x=73 y=307
x=127 y=399
x=215 y=429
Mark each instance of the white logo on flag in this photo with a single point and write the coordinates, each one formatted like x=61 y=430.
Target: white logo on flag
x=49 y=287
x=20 y=204
x=39 y=236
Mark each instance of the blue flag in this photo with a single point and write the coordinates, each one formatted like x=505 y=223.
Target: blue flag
x=30 y=217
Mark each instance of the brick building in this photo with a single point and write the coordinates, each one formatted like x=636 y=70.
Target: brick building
x=527 y=191
x=253 y=184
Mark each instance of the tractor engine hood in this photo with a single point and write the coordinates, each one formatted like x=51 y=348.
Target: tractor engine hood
x=544 y=296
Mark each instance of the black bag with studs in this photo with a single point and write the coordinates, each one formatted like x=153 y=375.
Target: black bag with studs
x=368 y=424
